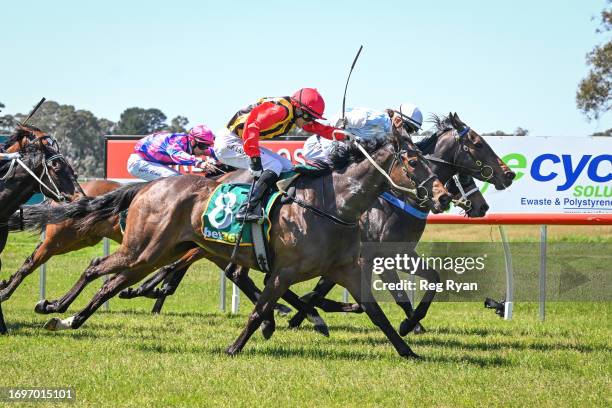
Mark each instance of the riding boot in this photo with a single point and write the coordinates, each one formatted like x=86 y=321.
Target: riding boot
x=253 y=210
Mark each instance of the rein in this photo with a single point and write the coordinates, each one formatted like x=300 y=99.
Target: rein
x=55 y=191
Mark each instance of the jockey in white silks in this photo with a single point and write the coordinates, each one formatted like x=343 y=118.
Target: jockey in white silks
x=366 y=124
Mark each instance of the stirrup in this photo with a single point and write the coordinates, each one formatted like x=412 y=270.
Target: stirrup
x=248 y=214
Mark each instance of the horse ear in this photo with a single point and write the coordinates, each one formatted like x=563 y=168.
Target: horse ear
x=452 y=120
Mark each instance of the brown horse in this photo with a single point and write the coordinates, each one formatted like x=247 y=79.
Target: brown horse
x=304 y=244
x=40 y=159
x=64 y=237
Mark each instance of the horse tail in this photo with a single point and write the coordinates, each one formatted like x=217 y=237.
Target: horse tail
x=85 y=211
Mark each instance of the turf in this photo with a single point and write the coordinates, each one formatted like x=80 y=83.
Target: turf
x=127 y=357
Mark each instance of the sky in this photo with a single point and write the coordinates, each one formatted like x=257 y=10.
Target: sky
x=500 y=65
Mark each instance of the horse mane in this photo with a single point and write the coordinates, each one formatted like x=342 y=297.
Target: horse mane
x=442 y=124
x=19 y=134
x=348 y=153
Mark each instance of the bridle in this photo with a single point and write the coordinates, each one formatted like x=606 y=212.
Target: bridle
x=397 y=158
x=485 y=171
x=463 y=201
x=50 y=187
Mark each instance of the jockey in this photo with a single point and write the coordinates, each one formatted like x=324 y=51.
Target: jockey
x=238 y=144
x=154 y=153
x=367 y=124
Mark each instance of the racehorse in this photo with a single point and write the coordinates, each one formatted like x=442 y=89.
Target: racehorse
x=305 y=243
x=454 y=148
x=41 y=167
x=385 y=222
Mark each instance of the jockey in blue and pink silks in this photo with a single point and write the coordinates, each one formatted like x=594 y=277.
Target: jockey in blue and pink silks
x=155 y=153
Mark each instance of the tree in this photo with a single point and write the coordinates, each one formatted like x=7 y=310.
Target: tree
x=593 y=95
x=7 y=122
x=519 y=131
x=178 y=124
x=604 y=133
x=139 y=121
x=79 y=133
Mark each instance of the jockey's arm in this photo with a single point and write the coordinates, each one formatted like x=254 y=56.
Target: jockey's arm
x=263 y=116
x=178 y=155
x=328 y=132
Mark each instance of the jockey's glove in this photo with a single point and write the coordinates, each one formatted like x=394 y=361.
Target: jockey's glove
x=255 y=166
x=10 y=156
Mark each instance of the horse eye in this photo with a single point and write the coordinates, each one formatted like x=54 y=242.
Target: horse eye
x=413 y=162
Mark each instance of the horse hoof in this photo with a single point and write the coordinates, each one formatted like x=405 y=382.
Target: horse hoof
x=295 y=321
x=419 y=329
x=232 y=350
x=267 y=329
x=406 y=327
x=52 y=324
x=320 y=326
x=411 y=355
x=283 y=310
x=41 y=307
x=126 y=293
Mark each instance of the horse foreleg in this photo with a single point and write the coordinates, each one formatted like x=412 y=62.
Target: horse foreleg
x=40 y=255
x=275 y=287
x=98 y=267
x=408 y=325
x=171 y=283
x=109 y=289
x=351 y=280
x=323 y=287
x=3 y=237
x=402 y=300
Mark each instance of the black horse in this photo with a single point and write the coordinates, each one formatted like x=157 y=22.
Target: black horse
x=41 y=167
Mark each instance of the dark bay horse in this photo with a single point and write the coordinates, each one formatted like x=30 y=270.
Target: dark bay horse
x=40 y=159
x=304 y=244
x=454 y=148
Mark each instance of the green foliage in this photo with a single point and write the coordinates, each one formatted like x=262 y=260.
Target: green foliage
x=139 y=121
x=593 y=95
x=519 y=131
x=178 y=124
x=604 y=133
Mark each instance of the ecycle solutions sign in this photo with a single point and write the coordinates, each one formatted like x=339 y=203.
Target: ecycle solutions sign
x=554 y=175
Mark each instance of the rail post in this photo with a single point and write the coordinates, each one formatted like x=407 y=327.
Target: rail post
x=42 y=288
x=235 y=298
x=106 y=252
x=509 y=275
x=543 y=239
x=222 y=293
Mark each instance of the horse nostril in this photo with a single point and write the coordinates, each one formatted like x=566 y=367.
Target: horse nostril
x=484 y=209
x=445 y=200
x=510 y=175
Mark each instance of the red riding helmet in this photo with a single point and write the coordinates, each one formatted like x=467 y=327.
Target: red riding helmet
x=310 y=100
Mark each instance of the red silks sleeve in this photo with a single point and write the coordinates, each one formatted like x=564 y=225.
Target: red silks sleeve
x=261 y=117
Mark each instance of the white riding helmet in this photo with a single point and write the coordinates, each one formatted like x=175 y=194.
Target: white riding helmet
x=412 y=114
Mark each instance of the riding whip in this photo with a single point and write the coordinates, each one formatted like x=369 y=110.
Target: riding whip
x=346 y=86
x=33 y=111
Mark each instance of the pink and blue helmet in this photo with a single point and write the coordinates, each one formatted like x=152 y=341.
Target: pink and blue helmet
x=202 y=134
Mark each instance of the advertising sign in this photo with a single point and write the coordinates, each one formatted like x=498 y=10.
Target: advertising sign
x=553 y=174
